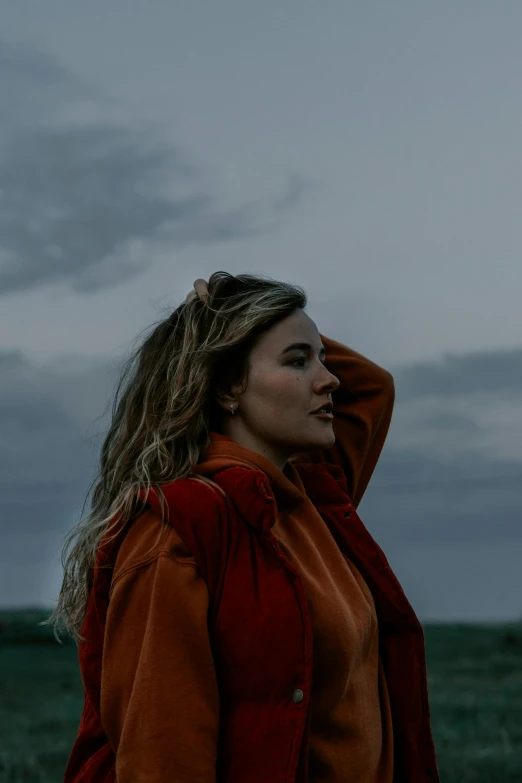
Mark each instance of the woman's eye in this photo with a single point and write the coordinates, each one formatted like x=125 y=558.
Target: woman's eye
x=302 y=359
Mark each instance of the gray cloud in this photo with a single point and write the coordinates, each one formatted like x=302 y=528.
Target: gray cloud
x=419 y=499
x=33 y=87
x=53 y=420
x=470 y=373
x=86 y=201
x=86 y=205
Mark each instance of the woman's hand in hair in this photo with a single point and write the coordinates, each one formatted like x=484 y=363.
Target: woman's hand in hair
x=200 y=289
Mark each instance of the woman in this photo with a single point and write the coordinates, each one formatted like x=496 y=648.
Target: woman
x=240 y=624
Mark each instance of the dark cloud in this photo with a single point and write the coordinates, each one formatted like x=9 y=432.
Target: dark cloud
x=40 y=448
x=415 y=498
x=451 y=423
x=53 y=420
x=458 y=374
x=33 y=87
x=85 y=206
x=409 y=470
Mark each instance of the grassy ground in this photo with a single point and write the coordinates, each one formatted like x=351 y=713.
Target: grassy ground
x=474 y=676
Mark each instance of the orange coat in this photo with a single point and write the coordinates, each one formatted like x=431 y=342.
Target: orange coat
x=265 y=639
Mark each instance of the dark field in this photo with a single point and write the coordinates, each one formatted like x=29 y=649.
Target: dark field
x=475 y=686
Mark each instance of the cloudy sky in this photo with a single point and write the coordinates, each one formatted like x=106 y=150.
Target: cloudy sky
x=369 y=152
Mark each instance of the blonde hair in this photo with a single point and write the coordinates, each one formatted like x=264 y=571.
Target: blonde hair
x=161 y=422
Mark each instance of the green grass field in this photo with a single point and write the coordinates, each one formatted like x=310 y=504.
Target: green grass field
x=475 y=686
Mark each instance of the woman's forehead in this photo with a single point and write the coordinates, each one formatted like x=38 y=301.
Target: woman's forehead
x=297 y=328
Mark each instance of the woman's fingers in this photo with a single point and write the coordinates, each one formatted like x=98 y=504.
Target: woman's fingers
x=200 y=289
x=200 y=286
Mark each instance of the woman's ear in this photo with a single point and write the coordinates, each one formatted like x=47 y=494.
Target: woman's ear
x=224 y=401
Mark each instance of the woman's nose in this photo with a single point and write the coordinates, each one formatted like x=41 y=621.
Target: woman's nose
x=331 y=382
x=334 y=381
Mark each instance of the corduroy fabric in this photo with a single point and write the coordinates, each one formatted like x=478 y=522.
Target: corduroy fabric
x=199 y=664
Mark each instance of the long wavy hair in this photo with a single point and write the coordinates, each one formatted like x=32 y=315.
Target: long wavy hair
x=162 y=420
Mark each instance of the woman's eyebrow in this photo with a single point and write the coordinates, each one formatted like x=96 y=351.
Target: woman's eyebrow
x=303 y=347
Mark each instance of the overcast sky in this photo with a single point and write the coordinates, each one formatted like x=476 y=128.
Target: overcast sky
x=369 y=152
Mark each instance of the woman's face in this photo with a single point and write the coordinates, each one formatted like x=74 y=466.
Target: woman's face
x=273 y=416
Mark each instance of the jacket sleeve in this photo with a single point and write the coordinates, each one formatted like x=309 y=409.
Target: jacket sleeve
x=363 y=406
x=159 y=692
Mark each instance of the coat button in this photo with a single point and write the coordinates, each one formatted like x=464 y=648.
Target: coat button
x=347 y=514
x=297 y=695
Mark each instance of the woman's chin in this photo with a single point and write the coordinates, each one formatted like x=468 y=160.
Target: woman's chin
x=324 y=441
